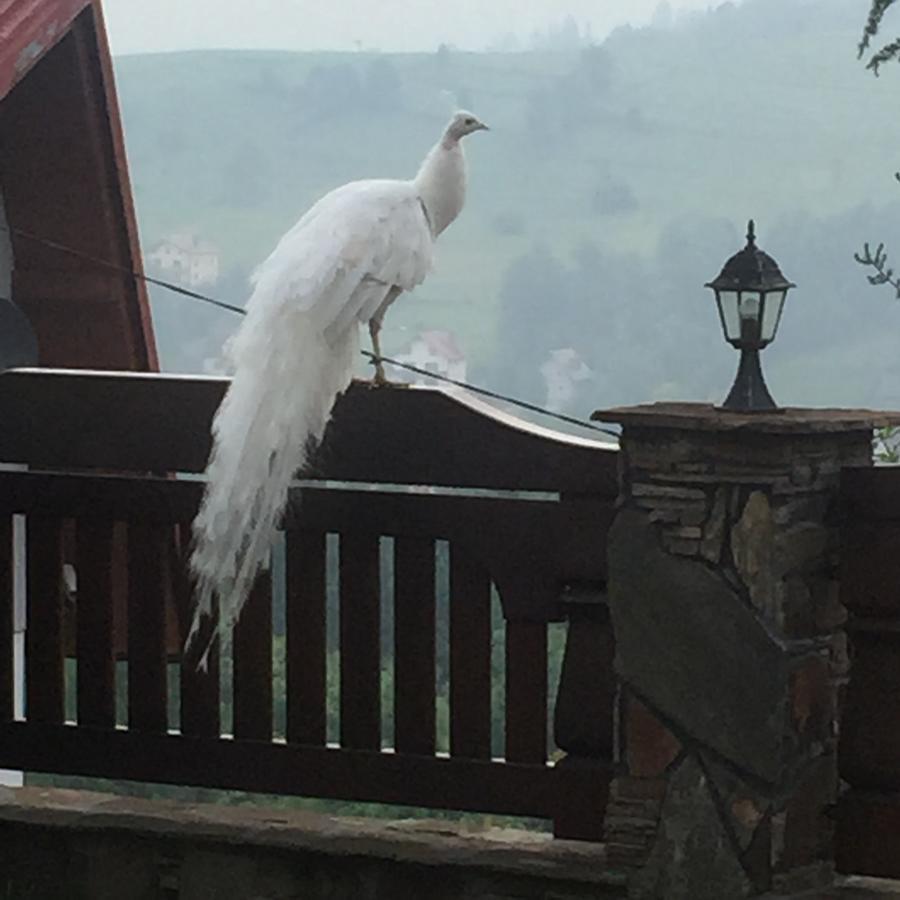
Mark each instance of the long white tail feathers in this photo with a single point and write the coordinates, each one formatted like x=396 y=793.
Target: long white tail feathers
x=287 y=377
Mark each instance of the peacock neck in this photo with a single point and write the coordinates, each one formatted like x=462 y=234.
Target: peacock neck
x=441 y=183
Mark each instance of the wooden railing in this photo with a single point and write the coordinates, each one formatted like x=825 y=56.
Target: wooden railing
x=868 y=834
x=512 y=509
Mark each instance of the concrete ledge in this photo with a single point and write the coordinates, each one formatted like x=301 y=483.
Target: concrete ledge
x=78 y=845
x=851 y=888
x=75 y=844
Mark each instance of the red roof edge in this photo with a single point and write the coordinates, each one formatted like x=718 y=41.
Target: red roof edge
x=145 y=322
x=28 y=29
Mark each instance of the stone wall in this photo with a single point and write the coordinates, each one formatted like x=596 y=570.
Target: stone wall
x=731 y=654
x=73 y=845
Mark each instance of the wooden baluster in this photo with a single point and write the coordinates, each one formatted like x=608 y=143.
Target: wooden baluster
x=147 y=572
x=45 y=689
x=253 y=664
x=306 y=638
x=94 y=617
x=360 y=642
x=526 y=692
x=414 y=641
x=470 y=657
x=869 y=750
x=583 y=722
x=199 y=687
x=120 y=589
x=7 y=624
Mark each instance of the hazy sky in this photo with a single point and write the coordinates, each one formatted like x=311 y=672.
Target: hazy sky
x=148 y=25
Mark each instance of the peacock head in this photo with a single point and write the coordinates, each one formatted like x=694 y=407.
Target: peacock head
x=464 y=123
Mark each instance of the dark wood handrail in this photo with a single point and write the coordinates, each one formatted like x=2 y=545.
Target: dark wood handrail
x=79 y=419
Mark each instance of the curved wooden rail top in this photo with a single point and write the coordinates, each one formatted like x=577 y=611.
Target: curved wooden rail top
x=398 y=435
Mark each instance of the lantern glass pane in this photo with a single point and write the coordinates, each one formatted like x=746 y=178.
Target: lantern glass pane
x=728 y=310
x=772 y=315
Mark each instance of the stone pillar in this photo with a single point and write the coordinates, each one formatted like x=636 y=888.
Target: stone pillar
x=730 y=646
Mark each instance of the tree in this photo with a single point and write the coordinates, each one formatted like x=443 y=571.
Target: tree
x=245 y=182
x=873 y=23
x=383 y=85
x=444 y=63
x=878 y=260
x=535 y=305
x=663 y=17
x=333 y=91
x=571 y=101
x=595 y=69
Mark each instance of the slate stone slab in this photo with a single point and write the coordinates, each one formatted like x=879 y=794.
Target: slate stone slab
x=690 y=646
x=744 y=808
x=714 y=528
x=693 y=857
x=752 y=544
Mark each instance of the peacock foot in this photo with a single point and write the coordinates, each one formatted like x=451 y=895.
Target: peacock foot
x=379 y=380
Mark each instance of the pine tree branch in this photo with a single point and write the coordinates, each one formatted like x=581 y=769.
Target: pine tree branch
x=878 y=262
x=873 y=23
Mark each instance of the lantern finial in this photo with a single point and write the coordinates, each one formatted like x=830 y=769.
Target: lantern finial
x=751 y=233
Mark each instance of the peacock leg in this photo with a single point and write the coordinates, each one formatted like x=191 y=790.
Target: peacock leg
x=379 y=378
x=375 y=322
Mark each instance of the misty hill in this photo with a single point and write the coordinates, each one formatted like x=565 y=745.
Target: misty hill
x=616 y=180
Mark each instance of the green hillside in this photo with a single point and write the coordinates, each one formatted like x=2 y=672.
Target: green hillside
x=758 y=110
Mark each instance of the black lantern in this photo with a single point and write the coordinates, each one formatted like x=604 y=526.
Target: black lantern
x=750 y=292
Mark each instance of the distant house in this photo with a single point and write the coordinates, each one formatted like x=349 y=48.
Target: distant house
x=187 y=259
x=563 y=370
x=434 y=351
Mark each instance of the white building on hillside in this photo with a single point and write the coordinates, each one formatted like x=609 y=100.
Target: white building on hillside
x=563 y=370
x=186 y=259
x=433 y=351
